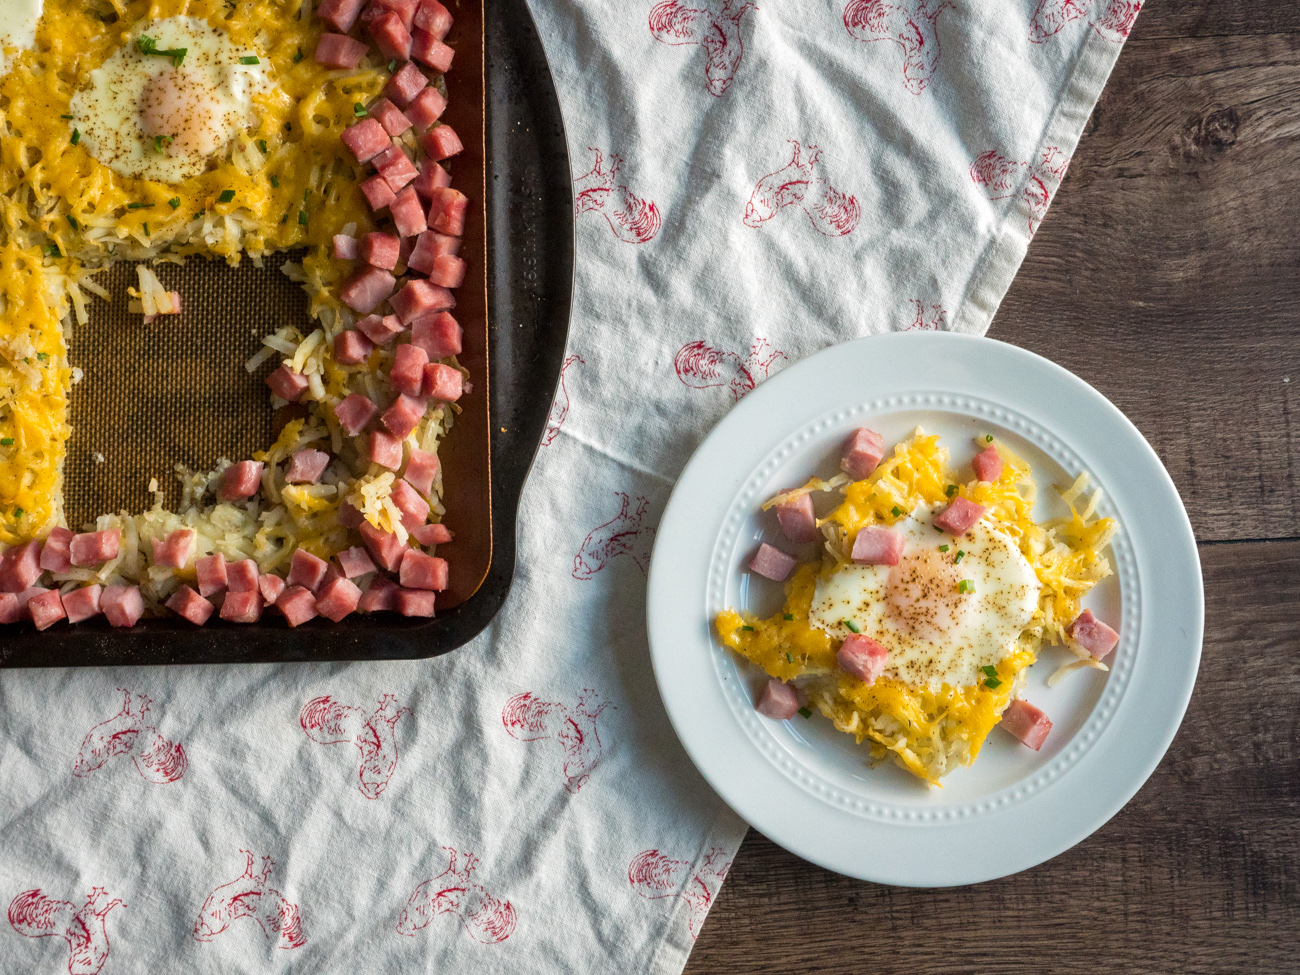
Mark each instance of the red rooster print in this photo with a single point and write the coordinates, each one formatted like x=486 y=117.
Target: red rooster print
x=933 y=319
x=654 y=875
x=528 y=718
x=34 y=914
x=1001 y=177
x=621 y=535
x=797 y=184
x=1112 y=19
x=125 y=733
x=249 y=896
x=671 y=22
x=908 y=23
x=487 y=919
x=701 y=366
x=560 y=408
x=633 y=220
x=330 y=723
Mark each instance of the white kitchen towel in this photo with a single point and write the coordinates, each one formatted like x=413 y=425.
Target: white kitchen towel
x=753 y=183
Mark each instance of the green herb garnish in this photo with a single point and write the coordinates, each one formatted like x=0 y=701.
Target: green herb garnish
x=302 y=218
x=147 y=45
x=392 y=65
x=358 y=109
x=65 y=116
x=850 y=625
x=806 y=713
x=174 y=202
x=226 y=196
x=198 y=215
x=76 y=136
x=250 y=59
x=992 y=683
x=160 y=142
x=52 y=250
x=139 y=206
x=18 y=512
x=958 y=557
x=789 y=617
x=943 y=548
x=989 y=438
x=72 y=221
x=896 y=511
x=950 y=490
x=966 y=585
x=285 y=218
x=261 y=144
x=297 y=56
x=43 y=356
x=146 y=230
x=749 y=628
x=789 y=659
x=306 y=194
x=6 y=441
x=989 y=671
x=275 y=182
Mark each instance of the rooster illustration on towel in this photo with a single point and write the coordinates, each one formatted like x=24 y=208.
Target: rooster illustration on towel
x=932 y=319
x=703 y=366
x=673 y=22
x=487 y=919
x=799 y=183
x=329 y=723
x=654 y=876
x=250 y=895
x=560 y=408
x=621 y=535
x=1036 y=181
x=908 y=23
x=529 y=718
x=1111 y=19
x=34 y=914
x=633 y=220
x=156 y=759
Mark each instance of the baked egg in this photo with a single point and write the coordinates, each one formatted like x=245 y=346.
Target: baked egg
x=17 y=28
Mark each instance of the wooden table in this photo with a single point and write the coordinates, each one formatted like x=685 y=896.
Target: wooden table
x=1167 y=274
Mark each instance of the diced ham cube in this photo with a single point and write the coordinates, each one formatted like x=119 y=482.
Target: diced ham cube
x=350 y=517
x=20 y=566
x=408 y=213
x=306 y=466
x=779 y=701
x=403 y=8
x=432 y=177
x=11 y=609
x=415 y=602
x=353 y=413
x=407 y=374
x=46 y=609
x=862 y=657
x=425 y=109
x=211 y=573
x=392 y=118
x=862 y=453
x=306 y=570
x=123 y=605
x=271 y=587
x=377 y=192
x=339 y=14
x=421 y=468
x=337 y=598
x=1092 y=634
x=55 y=552
x=366 y=139
x=987 y=464
x=380 y=250
x=396 y=167
x=427 y=49
x=176 y=550
x=82 y=604
x=1026 y=722
x=448 y=272
x=414 y=509
x=391 y=36
x=960 y=516
x=345 y=247
x=798 y=520
x=189 y=604
x=366 y=289
x=429 y=247
x=447 y=207
x=297 y=604
x=380 y=596
x=385 y=450
x=443 y=382
x=339 y=51
x=92 y=548
x=287 y=384
x=441 y=142
x=418 y=299
x=25 y=597
x=242 y=576
x=407 y=82
x=242 y=607
x=351 y=348
x=240 y=480
x=431 y=535
x=432 y=17
x=355 y=562
x=403 y=416
x=422 y=571
x=385 y=547
x=439 y=335
x=381 y=329
x=878 y=546
x=404 y=248
x=771 y=563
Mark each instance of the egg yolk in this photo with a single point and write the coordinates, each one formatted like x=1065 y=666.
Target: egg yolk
x=923 y=599
x=178 y=106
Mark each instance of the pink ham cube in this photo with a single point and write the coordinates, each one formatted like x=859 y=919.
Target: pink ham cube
x=433 y=18
x=414 y=509
x=427 y=49
x=408 y=213
x=447 y=272
x=987 y=464
x=11 y=608
x=287 y=384
x=366 y=139
x=366 y=289
x=862 y=657
x=384 y=450
x=381 y=596
x=92 y=548
x=350 y=517
x=405 y=9
x=176 y=550
x=878 y=546
x=407 y=374
x=339 y=14
x=337 y=598
x=415 y=602
x=392 y=118
x=20 y=566
x=240 y=481
x=403 y=416
x=297 y=604
x=771 y=563
x=425 y=109
x=189 y=604
x=354 y=412
x=862 y=453
x=306 y=466
x=381 y=329
x=422 y=571
x=443 y=382
x=441 y=142
x=798 y=520
x=242 y=607
x=377 y=192
x=306 y=570
x=431 y=535
x=391 y=36
x=380 y=250
x=396 y=167
x=432 y=177
x=351 y=348
x=123 y=605
x=385 y=547
x=447 y=207
x=439 y=335
x=1026 y=722
x=779 y=701
x=421 y=468
x=1092 y=634
x=339 y=51
x=355 y=562
x=345 y=247
x=56 y=553
x=242 y=576
x=211 y=573
x=46 y=609
x=960 y=516
x=407 y=82
x=271 y=587
x=82 y=604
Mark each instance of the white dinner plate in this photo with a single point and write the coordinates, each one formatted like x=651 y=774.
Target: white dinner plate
x=812 y=789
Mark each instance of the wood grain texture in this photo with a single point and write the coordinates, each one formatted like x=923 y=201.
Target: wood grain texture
x=1198 y=873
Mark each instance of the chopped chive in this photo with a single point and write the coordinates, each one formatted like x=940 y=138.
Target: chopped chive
x=989 y=438
x=275 y=182
x=285 y=218
x=160 y=141
x=261 y=144
x=950 y=490
x=18 y=512
x=146 y=229
x=297 y=56
x=789 y=659
x=174 y=202
x=76 y=136
x=302 y=218
x=943 y=548
x=250 y=59
x=306 y=194
x=226 y=196
x=43 y=356
x=198 y=215
x=966 y=585
x=6 y=441
x=806 y=713
x=748 y=628
x=958 y=557
x=789 y=616
x=139 y=206
x=992 y=683
x=358 y=109
x=72 y=221
x=392 y=65
x=850 y=625
x=52 y=250
x=65 y=116
x=990 y=671
x=147 y=45
x=896 y=511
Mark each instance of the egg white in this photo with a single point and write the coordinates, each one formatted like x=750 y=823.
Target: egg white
x=17 y=28
x=197 y=107
x=935 y=634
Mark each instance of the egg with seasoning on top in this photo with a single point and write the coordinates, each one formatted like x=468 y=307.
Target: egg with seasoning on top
x=950 y=607
x=167 y=104
x=17 y=29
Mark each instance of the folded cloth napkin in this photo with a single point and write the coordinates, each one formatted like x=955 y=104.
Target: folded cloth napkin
x=753 y=183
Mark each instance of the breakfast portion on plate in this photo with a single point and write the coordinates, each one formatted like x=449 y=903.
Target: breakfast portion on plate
x=161 y=131
x=930 y=592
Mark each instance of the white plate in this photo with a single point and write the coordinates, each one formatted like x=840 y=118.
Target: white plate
x=809 y=787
